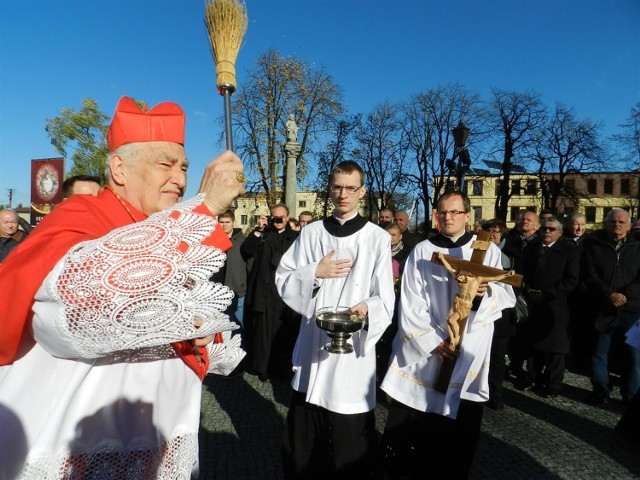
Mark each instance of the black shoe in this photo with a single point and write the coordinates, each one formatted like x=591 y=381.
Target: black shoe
x=524 y=384
x=495 y=403
x=597 y=398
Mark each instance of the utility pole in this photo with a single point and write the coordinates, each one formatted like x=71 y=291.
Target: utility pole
x=10 y=190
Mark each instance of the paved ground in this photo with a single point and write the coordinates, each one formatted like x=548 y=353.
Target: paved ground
x=532 y=438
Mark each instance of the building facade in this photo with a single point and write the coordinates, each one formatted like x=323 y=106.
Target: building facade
x=594 y=195
x=252 y=205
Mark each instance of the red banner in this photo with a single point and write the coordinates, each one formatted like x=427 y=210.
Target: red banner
x=47 y=176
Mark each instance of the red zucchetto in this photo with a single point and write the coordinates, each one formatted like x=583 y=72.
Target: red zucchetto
x=130 y=124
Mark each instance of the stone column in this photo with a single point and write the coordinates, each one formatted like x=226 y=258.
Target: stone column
x=292 y=150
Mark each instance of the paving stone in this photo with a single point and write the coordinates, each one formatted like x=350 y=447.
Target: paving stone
x=533 y=438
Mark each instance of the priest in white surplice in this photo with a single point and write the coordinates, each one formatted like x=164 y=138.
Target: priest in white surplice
x=343 y=260
x=427 y=429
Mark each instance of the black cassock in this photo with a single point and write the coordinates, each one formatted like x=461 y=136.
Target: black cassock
x=271 y=327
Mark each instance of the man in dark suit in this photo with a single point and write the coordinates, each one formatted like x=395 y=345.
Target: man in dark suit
x=551 y=273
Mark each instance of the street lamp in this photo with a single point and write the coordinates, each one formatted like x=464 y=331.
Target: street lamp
x=460 y=135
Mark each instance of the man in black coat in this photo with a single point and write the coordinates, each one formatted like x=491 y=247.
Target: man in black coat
x=611 y=271
x=271 y=327
x=551 y=273
x=525 y=232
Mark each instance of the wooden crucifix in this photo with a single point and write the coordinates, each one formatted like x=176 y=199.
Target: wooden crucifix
x=469 y=274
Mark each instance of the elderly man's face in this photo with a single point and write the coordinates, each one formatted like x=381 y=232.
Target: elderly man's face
x=550 y=232
x=578 y=227
x=618 y=225
x=402 y=220
x=8 y=224
x=528 y=224
x=157 y=178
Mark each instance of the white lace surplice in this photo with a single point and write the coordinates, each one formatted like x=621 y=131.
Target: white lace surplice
x=103 y=394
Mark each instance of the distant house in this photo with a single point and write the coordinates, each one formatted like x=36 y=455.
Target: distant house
x=594 y=194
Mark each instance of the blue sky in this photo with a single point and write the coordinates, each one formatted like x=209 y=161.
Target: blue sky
x=55 y=53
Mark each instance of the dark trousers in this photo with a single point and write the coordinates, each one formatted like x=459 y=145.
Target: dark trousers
x=629 y=424
x=419 y=445
x=320 y=444
x=497 y=365
x=546 y=370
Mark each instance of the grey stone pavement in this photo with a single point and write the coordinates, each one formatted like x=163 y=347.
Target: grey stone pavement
x=532 y=438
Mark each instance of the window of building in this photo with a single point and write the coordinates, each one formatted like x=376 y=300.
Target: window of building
x=302 y=203
x=590 y=213
x=476 y=187
x=625 y=186
x=498 y=183
x=243 y=219
x=256 y=219
x=477 y=213
x=514 y=213
x=608 y=186
x=532 y=187
x=592 y=186
x=570 y=185
x=515 y=187
x=605 y=212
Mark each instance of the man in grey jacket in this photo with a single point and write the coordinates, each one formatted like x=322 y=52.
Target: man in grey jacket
x=235 y=270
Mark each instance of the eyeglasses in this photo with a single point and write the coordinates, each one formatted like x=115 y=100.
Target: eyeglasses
x=549 y=229
x=337 y=189
x=453 y=213
x=493 y=230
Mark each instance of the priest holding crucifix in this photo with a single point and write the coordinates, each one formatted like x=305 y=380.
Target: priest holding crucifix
x=428 y=432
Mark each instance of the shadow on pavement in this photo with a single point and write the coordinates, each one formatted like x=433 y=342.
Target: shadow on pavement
x=255 y=451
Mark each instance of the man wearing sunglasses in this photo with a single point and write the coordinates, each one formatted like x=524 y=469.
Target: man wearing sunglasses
x=551 y=273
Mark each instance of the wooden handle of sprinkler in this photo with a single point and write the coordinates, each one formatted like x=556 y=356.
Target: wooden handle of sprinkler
x=228 y=137
x=444 y=376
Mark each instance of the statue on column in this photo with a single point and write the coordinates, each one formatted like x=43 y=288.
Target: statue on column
x=292 y=130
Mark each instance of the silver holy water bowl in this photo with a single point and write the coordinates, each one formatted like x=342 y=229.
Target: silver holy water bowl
x=339 y=324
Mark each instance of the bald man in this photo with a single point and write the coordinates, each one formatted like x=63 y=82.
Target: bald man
x=409 y=239
x=10 y=233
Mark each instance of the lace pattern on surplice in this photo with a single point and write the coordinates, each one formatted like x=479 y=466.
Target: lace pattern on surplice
x=143 y=285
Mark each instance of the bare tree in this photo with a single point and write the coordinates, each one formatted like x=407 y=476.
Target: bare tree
x=335 y=152
x=517 y=120
x=380 y=151
x=428 y=120
x=629 y=139
x=277 y=87
x=567 y=146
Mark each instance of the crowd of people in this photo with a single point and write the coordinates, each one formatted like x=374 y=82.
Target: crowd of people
x=123 y=300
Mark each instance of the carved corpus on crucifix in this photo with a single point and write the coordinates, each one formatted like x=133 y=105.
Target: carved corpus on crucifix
x=469 y=274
